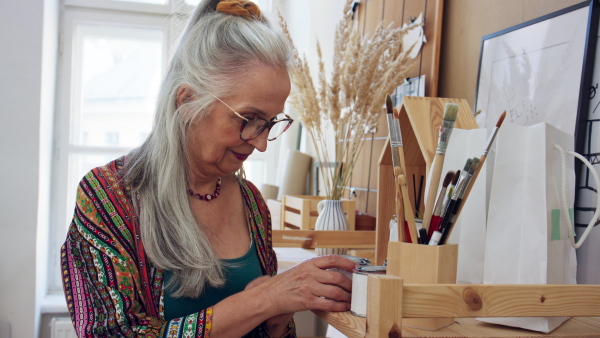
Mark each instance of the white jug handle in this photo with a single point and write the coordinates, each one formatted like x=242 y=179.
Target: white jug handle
x=320 y=206
x=564 y=196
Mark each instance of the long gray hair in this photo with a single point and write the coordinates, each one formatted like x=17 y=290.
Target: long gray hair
x=214 y=49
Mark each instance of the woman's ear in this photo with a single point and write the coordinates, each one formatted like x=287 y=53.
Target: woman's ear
x=185 y=94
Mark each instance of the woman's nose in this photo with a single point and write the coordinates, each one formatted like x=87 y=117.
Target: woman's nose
x=260 y=142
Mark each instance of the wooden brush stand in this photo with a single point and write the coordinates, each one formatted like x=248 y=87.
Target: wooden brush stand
x=420 y=121
x=423 y=264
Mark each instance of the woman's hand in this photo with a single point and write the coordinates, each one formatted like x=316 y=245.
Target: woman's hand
x=309 y=286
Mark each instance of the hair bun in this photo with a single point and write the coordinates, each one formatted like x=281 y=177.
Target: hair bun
x=244 y=8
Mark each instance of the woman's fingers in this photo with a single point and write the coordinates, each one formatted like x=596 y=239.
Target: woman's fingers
x=332 y=292
x=325 y=304
x=332 y=262
x=334 y=278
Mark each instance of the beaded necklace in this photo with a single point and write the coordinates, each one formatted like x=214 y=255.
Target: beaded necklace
x=207 y=197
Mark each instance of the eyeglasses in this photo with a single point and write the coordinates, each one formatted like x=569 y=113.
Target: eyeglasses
x=254 y=126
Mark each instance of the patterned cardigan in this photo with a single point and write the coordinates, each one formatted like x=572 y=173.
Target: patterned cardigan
x=111 y=287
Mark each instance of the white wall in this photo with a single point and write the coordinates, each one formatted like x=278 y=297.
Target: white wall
x=28 y=41
x=309 y=21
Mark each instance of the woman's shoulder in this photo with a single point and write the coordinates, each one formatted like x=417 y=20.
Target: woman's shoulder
x=103 y=189
x=108 y=177
x=253 y=195
x=104 y=213
x=111 y=169
x=250 y=189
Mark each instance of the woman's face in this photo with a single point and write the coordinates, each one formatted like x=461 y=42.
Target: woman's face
x=214 y=144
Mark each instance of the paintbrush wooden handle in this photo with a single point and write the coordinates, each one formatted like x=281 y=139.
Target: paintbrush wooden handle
x=408 y=212
x=433 y=182
x=400 y=215
x=412 y=226
x=399 y=206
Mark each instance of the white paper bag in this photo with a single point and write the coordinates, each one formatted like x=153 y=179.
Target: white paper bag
x=527 y=237
x=469 y=231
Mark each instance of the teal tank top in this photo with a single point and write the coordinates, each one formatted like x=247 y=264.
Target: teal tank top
x=238 y=273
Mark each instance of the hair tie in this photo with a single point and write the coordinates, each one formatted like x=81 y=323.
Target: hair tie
x=244 y=8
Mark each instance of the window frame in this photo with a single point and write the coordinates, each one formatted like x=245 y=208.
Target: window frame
x=73 y=14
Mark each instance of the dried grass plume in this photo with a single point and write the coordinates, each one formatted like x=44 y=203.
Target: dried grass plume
x=365 y=69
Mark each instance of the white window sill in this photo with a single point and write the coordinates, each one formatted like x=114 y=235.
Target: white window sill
x=54 y=304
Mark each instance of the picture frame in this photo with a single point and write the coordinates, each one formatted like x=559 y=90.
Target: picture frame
x=539 y=71
x=588 y=136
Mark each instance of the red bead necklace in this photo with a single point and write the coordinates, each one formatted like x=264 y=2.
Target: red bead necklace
x=207 y=197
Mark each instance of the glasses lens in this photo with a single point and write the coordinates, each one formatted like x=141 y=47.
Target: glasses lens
x=253 y=128
x=278 y=129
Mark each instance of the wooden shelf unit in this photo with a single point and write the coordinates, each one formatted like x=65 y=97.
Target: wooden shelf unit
x=355 y=327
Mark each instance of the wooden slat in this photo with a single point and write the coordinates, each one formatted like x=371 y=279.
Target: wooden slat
x=386 y=203
x=370 y=14
x=355 y=327
x=373 y=15
x=351 y=326
x=383 y=313
x=309 y=239
x=478 y=300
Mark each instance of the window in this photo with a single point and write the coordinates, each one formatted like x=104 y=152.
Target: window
x=112 y=57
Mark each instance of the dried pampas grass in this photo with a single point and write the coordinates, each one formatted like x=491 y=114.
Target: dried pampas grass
x=365 y=69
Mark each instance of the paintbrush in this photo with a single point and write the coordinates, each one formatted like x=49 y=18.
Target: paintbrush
x=395 y=142
x=433 y=178
x=437 y=235
x=482 y=158
x=400 y=171
x=461 y=194
x=437 y=209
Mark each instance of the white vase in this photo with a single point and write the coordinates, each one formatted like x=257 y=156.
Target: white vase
x=331 y=217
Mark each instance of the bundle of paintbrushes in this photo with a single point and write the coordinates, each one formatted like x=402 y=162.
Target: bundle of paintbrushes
x=433 y=177
x=442 y=204
x=446 y=215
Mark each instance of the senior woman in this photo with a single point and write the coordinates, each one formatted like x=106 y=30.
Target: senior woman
x=171 y=240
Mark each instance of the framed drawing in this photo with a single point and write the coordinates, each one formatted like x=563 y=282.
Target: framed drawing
x=588 y=269
x=535 y=71
x=548 y=70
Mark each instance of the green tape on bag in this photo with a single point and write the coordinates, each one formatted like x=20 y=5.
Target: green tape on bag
x=555 y=236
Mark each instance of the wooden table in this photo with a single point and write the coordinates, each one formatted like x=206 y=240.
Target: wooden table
x=353 y=326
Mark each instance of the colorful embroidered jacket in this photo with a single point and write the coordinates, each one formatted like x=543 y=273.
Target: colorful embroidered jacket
x=112 y=289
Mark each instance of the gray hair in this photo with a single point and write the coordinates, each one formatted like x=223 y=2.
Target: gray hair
x=214 y=49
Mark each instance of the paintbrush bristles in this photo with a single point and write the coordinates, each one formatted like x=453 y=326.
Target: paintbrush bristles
x=450 y=112
x=474 y=165
x=500 y=120
x=389 y=104
x=455 y=178
x=448 y=179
